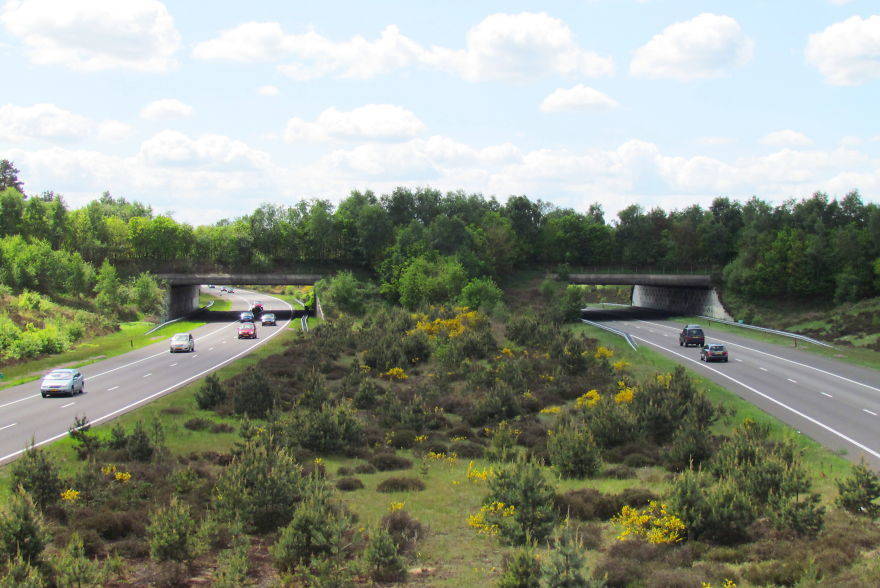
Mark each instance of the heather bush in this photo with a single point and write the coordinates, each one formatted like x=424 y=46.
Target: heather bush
x=349 y=484
x=404 y=530
x=400 y=484
x=523 y=486
x=386 y=462
x=368 y=468
x=260 y=486
x=498 y=403
x=22 y=529
x=38 y=475
x=381 y=558
x=573 y=452
x=253 y=395
x=171 y=533
x=197 y=424
x=211 y=393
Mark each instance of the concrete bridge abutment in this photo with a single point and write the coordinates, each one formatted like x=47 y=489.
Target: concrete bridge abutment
x=686 y=301
x=180 y=301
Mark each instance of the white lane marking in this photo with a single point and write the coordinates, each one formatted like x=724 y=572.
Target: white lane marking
x=738 y=359
x=827 y=394
x=763 y=369
x=147 y=375
x=770 y=398
x=172 y=365
x=112 y=389
x=792 y=381
x=68 y=404
x=6 y=427
x=211 y=349
x=871 y=412
x=19 y=400
x=782 y=358
x=159 y=393
x=224 y=341
x=195 y=355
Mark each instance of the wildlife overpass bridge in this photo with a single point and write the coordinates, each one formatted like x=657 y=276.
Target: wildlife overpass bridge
x=690 y=294
x=182 y=296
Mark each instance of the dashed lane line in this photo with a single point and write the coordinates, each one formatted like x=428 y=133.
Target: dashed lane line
x=763 y=369
x=172 y=365
x=147 y=375
x=827 y=394
x=792 y=381
x=870 y=412
x=19 y=400
x=112 y=389
x=7 y=426
x=68 y=404
x=771 y=399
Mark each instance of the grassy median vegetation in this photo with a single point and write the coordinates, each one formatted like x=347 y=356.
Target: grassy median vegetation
x=451 y=448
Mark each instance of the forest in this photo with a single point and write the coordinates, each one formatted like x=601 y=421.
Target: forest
x=818 y=248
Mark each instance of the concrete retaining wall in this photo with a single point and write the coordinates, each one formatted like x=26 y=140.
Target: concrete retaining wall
x=687 y=301
x=180 y=301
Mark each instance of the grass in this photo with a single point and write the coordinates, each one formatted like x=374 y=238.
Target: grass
x=219 y=303
x=172 y=410
x=823 y=466
x=853 y=355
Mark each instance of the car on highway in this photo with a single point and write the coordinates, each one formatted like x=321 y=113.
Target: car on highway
x=67 y=382
x=231 y=291
x=211 y=286
x=246 y=317
x=183 y=342
x=692 y=335
x=247 y=331
x=713 y=352
x=257 y=308
x=223 y=289
x=268 y=319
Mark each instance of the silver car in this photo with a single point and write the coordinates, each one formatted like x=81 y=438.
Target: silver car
x=65 y=381
x=182 y=342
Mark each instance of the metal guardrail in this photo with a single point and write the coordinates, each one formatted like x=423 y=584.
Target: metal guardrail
x=766 y=330
x=617 y=332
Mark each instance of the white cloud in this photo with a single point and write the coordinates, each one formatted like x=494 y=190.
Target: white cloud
x=840 y=2
x=715 y=141
x=114 y=130
x=847 y=53
x=786 y=138
x=41 y=121
x=94 y=35
x=579 y=97
x=165 y=109
x=176 y=149
x=49 y=122
x=374 y=121
x=707 y=46
x=503 y=46
x=268 y=91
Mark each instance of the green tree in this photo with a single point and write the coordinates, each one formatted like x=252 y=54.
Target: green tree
x=480 y=293
x=9 y=176
x=108 y=287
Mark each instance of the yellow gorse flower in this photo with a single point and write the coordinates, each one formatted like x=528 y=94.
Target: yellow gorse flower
x=652 y=523
x=122 y=477
x=108 y=470
x=588 y=399
x=620 y=366
x=396 y=506
x=477 y=475
x=482 y=522
x=70 y=495
x=603 y=352
x=551 y=410
x=395 y=373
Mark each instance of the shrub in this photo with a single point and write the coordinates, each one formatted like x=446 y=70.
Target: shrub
x=585 y=504
x=401 y=484
x=138 y=444
x=260 y=486
x=674 y=578
x=502 y=444
x=211 y=393
x=466 y=449
x=197 y=424
x=233 y=565
x=316 y=530
x=332 y=429
x=404 y=530
x=620 y=572
x=22 y=529
x=386 y=462
x=574 y=453
x=74 y=568
x=344 y=471
x=222 y=428
x=717 y=511
x=382 y=560
x=253 y=395
x=523 y=486
x=349 y=484
x=774 y=573
x=368 y=468
x=620 y=472
x=652 y=523
x=521 y=570
x=171 y=533
x=480 y=293
x=21 y=573
x=860 y=492
x=566 y=565
x=37 y=474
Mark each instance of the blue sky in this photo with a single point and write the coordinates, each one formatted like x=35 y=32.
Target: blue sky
x=207 y=109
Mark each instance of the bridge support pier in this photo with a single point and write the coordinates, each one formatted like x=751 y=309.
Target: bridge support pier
x=180 y=301
x=687 y=301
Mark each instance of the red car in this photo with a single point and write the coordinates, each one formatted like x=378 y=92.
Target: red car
x=247 y=331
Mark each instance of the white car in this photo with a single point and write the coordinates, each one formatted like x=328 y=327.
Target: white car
x=68 y=382
x=182 y=342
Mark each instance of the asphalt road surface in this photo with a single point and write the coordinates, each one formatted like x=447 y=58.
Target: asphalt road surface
x=835 y=403
x=122 y=383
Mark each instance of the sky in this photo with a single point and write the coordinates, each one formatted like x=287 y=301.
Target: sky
x=207 y=108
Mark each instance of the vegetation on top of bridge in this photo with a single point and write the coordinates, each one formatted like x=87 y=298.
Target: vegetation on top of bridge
x=425 y=246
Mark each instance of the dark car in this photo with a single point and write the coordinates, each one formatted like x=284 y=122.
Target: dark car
x=247 y=331
x=713 y=352
x=692 y=335
x=246 y=317
x=257 y=308
x=268 y=319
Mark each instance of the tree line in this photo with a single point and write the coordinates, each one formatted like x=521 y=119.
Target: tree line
x=815 y=248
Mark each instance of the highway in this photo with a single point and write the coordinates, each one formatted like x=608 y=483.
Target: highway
x=835 y=403
x=122 y=383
